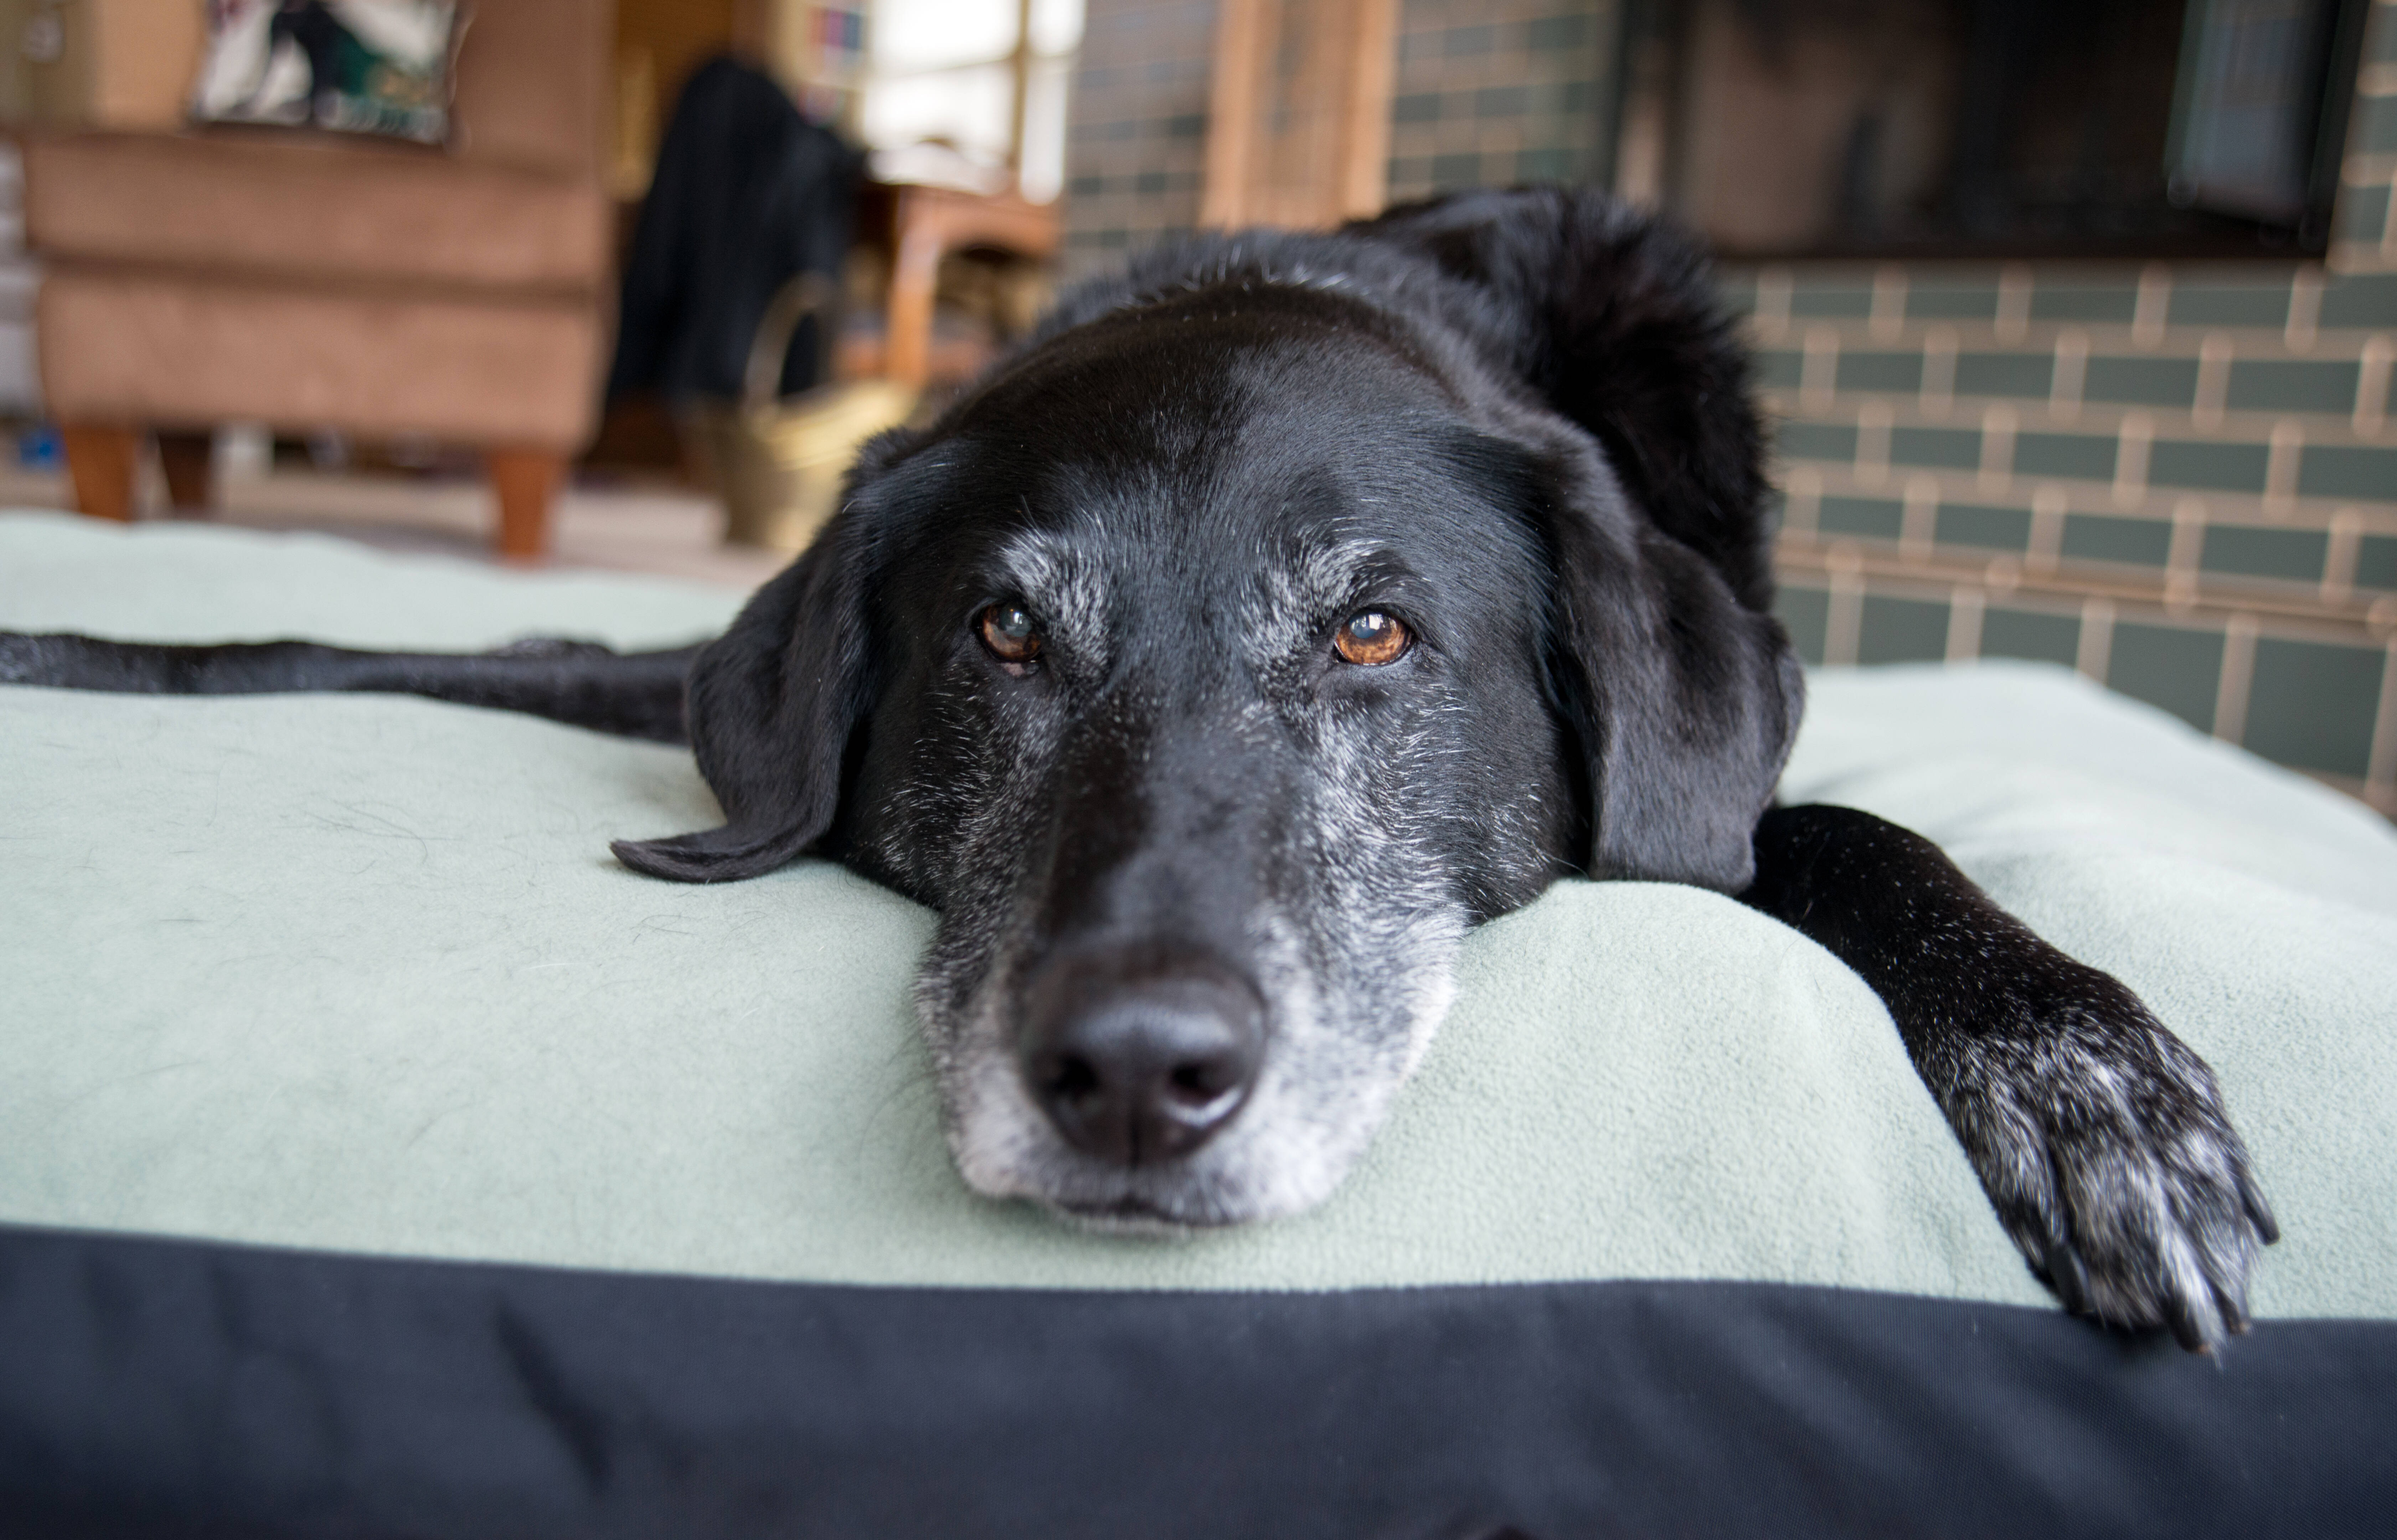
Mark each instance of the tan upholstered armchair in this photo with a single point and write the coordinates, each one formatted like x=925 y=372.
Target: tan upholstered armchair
x=316 y=281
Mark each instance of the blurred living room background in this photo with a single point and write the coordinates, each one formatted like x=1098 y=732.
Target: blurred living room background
x=2076 y=321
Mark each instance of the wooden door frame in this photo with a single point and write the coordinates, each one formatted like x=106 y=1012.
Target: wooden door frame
x=1312 y=150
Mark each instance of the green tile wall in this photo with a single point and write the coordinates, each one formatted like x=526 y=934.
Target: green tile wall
x=2141 y=381
x=2086 y=455
x=2361 y=214
x=2208 y=465
x=1778 y=368
x=2374 y=130
x=2287 y=337
x=2360 y=299
x=1943 y=448
x=2030 y=374
x=1991 y=528
x=2068 y=301
x=2010 y=632
x=2169 y=666
x=1951 y=300
x=1901 y=631
x=1880 y=371
x=2235 y=304
x=2295 y=554
x=1136 y=136
x=1817 y=441
x=2312 y=704
x=1559 y=31
x=1806 y=612
x=2375 y=560
x=1873 y=517
x=1831 y=301
x=2292 y=384
x=1489 y=93
x=2335 y=470
x=1544 y=163
x=2101 y=537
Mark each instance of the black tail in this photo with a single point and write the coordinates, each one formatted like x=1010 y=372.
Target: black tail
x=630 y=694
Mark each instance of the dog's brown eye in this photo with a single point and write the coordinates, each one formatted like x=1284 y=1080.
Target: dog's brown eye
x=1371 y=639
x=1008 y=630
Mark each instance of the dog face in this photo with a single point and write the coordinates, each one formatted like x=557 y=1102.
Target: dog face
x=1211 y=669
x=1201 y=875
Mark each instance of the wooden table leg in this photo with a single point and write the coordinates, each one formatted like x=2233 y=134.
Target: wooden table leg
x=188 y=459
x=527 y=482
x=100 y=461
x=907 y=332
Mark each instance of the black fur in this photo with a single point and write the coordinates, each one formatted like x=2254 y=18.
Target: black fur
x=632 y=695
x=1200 y=879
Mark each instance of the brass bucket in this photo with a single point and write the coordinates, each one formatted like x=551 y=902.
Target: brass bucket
x=778 y=462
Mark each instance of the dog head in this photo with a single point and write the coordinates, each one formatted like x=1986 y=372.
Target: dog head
x=1212 y=668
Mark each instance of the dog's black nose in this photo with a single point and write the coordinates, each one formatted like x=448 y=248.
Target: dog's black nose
x=1140 y=1071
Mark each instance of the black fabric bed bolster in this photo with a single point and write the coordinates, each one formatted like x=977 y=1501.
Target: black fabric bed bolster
x=154 y=1388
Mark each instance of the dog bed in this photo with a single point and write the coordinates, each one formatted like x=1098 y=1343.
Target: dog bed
x=377 y=1156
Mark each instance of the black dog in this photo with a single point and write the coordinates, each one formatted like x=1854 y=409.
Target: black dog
x=1275 y=614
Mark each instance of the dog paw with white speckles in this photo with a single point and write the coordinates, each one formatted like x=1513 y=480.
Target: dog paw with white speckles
x=2102 y=1141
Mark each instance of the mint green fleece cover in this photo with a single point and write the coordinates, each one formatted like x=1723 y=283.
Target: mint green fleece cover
x=358 y=972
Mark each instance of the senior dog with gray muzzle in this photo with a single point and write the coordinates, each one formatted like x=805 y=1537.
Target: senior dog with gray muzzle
x=1275 y=614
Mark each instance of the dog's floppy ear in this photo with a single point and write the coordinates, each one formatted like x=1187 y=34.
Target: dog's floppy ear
x=1667 y=660
x=1685 y=702
x=1612 y=317
x=770 y=708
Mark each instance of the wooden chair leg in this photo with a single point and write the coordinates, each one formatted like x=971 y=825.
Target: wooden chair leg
x=188 y=459
x=527 y=482
x=100 y=461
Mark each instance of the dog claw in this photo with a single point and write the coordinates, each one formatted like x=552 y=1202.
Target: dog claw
x=2067 y=1275
x=2189 y=1327
x=2259 y=1213
x=2232 y=1307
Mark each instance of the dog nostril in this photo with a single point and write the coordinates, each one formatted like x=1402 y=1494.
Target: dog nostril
x=1144 y=1072
x=1204 y=1080
x=1070 y=1076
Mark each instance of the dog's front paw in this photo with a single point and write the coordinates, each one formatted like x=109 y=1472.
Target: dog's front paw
x=2101 y=1139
